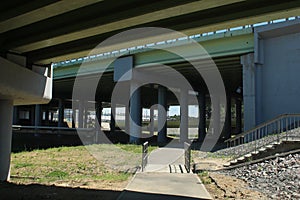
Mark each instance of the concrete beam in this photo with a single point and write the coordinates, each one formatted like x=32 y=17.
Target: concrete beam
x=25 y=90
x=45 y=12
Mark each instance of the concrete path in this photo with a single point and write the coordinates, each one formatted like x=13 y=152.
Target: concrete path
x=160 y=159
x=158 y=183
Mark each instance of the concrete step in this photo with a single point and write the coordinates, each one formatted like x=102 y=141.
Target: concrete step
x=262 y=149
x=234 y=162
x=178 y=169
x=226 y=164
x=249 y=155
x=241 y=159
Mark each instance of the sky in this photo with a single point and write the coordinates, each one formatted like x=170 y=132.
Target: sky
x=173 y=110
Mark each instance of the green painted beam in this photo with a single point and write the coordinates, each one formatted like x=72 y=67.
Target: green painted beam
x=217 y=45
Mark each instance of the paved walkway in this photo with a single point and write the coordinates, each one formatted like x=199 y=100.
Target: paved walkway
x=159 y=181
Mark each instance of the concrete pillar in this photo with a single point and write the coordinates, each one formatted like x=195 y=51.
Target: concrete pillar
x=74 y=114
x=202 y=118
x=16 y=115
x=47 y=116
x=227 y=125
x=51 y=116
x=73 y=117
x=98 y=108
x=184 y=115
x=32 y=115
x=238 y=111
x=162 y=114
x=258 y=95
x=135 y=113
x=80 y=113
x=127 y=120
x=216 y=115
x=151 y=128
x=60 y=113
x=249 y=94
x=6 y=115
x=112 y=118
x=37 y=115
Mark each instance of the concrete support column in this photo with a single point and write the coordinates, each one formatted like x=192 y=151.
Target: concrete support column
x=47 y=116
x=227 y=125
x=32 y=115
x=80 y=113
x=184 y=115
x=86 y=115
x=135 y=113
x=99 y=109
x=51 y=116
x=249 y=93
x=162 y=115
x=151 y=128
x=127 y=120
x=6 y=115
x=238 y=111
x=37 y=116
x=60 y=113
x=202 y=118
x=216 y=115
x=16 y=115
x=74 y=117
x=112 y=118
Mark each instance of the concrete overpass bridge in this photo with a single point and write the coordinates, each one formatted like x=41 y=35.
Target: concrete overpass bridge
x=35 y=34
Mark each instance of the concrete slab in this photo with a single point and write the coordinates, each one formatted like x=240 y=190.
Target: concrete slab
x=165 y=186
x=160 y=159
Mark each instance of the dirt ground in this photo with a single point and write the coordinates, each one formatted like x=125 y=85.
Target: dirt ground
x=218 y=185
x=222 y=186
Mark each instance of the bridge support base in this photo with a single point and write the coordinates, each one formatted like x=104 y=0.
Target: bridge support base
x=6 y=115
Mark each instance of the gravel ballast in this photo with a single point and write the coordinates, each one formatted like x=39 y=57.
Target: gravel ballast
x=277 y=178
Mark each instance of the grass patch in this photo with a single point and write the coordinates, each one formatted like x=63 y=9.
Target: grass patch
x=71 y=164
x=22 y=165
x=134 y=148
x=215 y=155
x=57 y=174
x=204 y=176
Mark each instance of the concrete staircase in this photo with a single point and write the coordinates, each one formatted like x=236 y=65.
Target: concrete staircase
x=265 y=151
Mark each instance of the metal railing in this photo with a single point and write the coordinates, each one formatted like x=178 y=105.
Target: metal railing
x=145 y=155
x=275 y=130
x=50 y=128
x=187 y=156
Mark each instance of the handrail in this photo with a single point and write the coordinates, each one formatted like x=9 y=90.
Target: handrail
x=261 y=126
x=187 y=156
x=145 y=155
x=271 y=131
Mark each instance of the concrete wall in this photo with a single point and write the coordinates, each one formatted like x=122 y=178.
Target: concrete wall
x=277 y=73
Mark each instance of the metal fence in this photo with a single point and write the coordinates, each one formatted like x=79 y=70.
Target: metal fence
x=145 y=155
x=187 y=156
x=51 y=129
